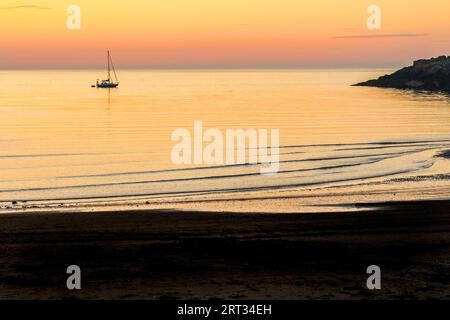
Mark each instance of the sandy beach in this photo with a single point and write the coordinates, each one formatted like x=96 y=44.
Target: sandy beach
x=166 y=254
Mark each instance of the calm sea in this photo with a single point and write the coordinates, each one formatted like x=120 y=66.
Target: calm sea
x=64 y=141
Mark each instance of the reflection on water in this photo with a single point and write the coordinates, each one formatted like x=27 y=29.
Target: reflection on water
x=61 y=139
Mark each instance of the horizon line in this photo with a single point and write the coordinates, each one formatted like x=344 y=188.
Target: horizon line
x=274 y=67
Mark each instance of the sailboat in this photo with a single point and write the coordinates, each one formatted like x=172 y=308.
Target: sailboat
x=109 y=83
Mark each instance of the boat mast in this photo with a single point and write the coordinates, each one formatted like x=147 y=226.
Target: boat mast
x=109 y=69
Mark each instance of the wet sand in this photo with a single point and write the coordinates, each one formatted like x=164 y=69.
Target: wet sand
x=156 y=254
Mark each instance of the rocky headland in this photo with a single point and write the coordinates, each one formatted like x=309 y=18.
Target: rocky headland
x=429 y=75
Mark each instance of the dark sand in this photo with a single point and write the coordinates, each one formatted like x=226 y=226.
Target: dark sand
x=185 y=255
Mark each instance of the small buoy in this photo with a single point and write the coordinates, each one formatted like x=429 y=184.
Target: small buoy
x=93 y=86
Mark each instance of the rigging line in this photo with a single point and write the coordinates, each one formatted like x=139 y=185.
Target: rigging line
x=114 y=70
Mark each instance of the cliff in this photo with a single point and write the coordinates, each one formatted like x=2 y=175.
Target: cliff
x=429 y=75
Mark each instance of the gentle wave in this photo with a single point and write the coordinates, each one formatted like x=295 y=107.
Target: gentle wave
x=334 y=165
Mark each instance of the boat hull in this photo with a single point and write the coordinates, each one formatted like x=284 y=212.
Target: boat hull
x=107 y=85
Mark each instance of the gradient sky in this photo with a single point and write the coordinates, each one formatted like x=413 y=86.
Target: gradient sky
x=221 y=33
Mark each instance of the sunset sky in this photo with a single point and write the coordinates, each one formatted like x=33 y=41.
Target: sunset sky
x=221 y=33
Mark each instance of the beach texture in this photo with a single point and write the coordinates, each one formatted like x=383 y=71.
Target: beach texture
x=188 y=255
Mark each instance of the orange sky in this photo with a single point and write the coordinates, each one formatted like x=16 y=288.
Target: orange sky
x=221 y=33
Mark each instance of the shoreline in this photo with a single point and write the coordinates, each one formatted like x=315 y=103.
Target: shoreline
x=166 y=254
